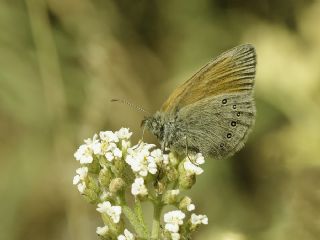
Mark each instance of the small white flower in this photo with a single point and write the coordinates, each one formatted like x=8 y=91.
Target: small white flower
x=186 y=204
x=109 y=156
x=198 y=219
x=81 y=187
x=124 y=133
x=140 y=160
x=109 y=136
x=172 y=227
x=199 y=159
x=192 y=168
x=138 y=187
x=111 y=151
x=152 y=166
x=101 y=231
x=173 y=220
x=125 y=144
x=159 y=157
x=82 y=172
x=94 y=144
x=127 y=235
x=85 y=151
x=165 y=159
x=76 y=179
x=104 y=207
x=117 y=152
x=175 y=236
x=175 y=192
x=104 y=195
x=191 y=207
x=84 y=154
x=113 y=212
x=96 y=148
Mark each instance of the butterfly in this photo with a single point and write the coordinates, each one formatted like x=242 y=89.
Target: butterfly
x=212 y=112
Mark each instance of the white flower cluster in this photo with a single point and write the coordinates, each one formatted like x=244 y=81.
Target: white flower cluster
x=144 y=160
x=191 y=207
x=110 y=167
x=140 y=160
x=175 y=219
x=108 y=144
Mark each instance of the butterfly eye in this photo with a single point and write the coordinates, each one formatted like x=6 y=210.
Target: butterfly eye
x=224 y=101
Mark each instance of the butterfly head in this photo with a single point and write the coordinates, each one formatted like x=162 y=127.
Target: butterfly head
x=155 y=124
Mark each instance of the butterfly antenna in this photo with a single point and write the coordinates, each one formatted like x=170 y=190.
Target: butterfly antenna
x=131 y=105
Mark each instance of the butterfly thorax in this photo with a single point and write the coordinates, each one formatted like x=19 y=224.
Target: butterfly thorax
x=164 y=127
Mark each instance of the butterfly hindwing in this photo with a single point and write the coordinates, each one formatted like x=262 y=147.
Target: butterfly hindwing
x=217 y=126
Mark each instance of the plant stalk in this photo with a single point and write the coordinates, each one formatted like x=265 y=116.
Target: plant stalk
x=157 y=208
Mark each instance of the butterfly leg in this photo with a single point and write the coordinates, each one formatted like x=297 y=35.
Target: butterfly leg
x=141 y=140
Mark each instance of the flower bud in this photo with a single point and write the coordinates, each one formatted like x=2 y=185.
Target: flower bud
x=117 y=185
x=114 y=228
x=90 y=195
x=171 y=196
x=186 y=178
x=92 y=184
x=196 y=220
x=174 y=159
x=160 y=187
x=94 y=167
x=118 y=167
x=186 y=204
x=102 y=231
x=125 y=145
x=172 y=174
x=104 y=177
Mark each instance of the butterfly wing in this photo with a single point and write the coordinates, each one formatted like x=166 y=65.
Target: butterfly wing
x=215 y=108
x=217 y=126
x=232 y=71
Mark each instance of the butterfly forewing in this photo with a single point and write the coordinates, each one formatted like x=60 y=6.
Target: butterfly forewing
x=232 y=71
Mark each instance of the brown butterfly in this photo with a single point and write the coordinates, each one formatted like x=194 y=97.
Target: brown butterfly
x=213 y=111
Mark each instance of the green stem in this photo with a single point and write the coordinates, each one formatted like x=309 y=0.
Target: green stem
x=139 y=214
x=157 y=208
x=134 y=221
x=139 y=227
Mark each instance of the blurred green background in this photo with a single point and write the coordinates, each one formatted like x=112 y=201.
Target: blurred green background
x=62 y=61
